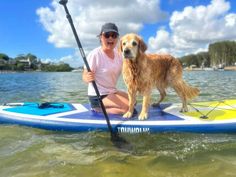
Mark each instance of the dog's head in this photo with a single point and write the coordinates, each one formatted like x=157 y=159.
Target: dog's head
x=131 y=45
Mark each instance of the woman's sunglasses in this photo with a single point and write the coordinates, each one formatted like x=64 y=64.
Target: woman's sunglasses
x=113 y=35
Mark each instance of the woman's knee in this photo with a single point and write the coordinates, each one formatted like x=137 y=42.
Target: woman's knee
x=116 y=101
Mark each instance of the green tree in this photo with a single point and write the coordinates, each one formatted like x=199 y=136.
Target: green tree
x=4 y=56
x=20 y=67
x=63 y=67
x=203 y=59
x=222 y=53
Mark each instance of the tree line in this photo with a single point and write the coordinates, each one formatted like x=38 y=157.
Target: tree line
x=220 y=53
x=30 y=62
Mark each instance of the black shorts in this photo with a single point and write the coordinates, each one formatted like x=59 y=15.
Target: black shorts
x=94 y=101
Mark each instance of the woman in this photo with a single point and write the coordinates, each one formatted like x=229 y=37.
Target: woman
x=106 y=64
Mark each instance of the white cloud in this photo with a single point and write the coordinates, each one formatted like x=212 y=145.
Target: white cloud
x=195 y=27
x=89 y=15
x=72 y=60
x=162 y=41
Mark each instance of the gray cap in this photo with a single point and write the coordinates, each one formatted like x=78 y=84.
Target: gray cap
x=109 y=27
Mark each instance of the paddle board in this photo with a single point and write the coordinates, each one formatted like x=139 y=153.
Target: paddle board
x=203 y=117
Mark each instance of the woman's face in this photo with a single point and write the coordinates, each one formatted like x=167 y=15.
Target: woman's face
x=109 y=40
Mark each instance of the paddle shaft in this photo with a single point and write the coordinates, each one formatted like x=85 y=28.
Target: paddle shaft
x=68 y=16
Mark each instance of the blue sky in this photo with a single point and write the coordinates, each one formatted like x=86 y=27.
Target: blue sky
x=178 y=27
x=22 y=33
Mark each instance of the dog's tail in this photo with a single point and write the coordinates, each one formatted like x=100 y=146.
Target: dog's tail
x=186 y=91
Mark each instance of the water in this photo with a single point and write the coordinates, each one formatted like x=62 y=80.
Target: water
x=28 y=152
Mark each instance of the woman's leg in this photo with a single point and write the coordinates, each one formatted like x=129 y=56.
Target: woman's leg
x=116 y=103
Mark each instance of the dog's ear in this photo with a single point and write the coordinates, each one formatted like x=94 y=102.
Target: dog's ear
x=142 y=45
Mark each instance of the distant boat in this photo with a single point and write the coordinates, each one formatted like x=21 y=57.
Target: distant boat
x=208 y=69
x=76 y=70
x=220 y=67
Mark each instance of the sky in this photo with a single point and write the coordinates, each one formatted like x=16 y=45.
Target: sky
x=177 y=27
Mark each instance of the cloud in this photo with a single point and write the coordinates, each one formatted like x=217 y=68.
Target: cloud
x=89 y=15
x=194 y=28
x=72 y=60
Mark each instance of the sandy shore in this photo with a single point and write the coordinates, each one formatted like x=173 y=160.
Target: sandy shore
x=230 y=68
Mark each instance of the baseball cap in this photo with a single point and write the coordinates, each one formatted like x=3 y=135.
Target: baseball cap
x=109 y=27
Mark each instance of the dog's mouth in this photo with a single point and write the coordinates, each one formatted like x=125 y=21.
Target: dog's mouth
x=127 y=54
x=130 y=57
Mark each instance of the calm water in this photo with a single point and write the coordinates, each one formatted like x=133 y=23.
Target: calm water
x=28 y=152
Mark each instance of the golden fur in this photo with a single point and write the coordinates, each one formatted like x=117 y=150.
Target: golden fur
x=143 y=72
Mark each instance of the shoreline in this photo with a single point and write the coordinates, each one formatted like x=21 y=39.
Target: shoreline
x=227 y=68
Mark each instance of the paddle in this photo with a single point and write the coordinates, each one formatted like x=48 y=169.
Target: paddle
x=115 y=138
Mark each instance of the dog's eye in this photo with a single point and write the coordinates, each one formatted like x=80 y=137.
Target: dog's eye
x=134 y=43
x=124 y=43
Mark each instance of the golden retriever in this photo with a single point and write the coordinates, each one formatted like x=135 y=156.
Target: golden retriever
x=143 y=72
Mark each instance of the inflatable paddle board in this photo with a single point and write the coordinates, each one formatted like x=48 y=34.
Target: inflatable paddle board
x=203 y=117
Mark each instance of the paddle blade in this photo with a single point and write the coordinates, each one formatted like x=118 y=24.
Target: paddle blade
x=121 y=143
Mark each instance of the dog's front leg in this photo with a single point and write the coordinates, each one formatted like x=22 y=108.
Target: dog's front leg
x=184 y=106
x=144 y=113
x=132 y=101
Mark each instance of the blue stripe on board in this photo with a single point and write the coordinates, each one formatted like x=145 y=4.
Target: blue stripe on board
x=32 y=109
x=84 y=127
x=155 y=114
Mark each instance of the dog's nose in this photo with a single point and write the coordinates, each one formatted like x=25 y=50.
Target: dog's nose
x=126 y=51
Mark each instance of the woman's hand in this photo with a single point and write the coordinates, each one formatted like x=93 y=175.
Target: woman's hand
x=88 y=76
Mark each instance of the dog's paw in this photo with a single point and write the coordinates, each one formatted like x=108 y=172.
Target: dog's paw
x=143 y=116
x=184 y=109
x=128 y=115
